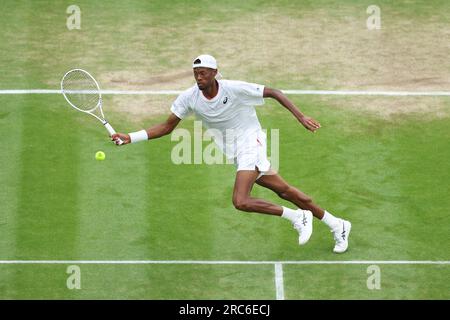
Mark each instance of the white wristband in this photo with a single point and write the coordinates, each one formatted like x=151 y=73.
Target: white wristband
x=138 y=136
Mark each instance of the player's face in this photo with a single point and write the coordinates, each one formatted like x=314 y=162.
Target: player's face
x=204 y=77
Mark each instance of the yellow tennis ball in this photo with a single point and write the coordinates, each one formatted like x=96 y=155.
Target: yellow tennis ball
x=100 y=155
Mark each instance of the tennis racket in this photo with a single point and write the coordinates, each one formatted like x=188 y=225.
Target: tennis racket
x=82 y=92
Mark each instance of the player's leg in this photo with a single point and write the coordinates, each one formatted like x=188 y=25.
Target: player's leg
x=340 y=228
x=242 y=199
x=252 y=162
x=245 y=179
x=277 y=184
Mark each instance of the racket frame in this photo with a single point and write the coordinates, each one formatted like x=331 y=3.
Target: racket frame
x=90 y=111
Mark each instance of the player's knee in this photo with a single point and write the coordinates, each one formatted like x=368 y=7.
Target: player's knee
x=241 y=204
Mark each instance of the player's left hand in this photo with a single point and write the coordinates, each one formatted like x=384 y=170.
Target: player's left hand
x=309 y=123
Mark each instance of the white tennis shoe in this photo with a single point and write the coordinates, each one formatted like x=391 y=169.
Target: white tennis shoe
x=304 y=226
x=341 y=234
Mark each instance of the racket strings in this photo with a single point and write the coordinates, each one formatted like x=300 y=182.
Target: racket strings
x=81 y=90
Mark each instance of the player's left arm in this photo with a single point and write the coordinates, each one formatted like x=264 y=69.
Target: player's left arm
x=308 y=122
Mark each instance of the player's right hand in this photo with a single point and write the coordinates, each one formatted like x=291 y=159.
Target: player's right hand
x=122 y=136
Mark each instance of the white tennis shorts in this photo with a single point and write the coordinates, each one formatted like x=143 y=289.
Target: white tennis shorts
x=252 y=154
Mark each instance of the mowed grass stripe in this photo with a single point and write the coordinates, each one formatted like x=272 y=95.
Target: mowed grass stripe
x=180 y=213
x=11 y=130
x=424 y=157
x=10 y=126
x=112 y=196
x=47 y=218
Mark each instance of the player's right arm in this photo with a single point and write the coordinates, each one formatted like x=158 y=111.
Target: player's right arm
x=153 y=132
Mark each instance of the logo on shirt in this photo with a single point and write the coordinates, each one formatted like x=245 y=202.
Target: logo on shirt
x=225 y=100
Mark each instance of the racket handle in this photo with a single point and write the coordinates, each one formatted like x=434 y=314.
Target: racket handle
x=111 y=132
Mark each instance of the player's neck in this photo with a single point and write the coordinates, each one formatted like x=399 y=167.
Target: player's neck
x=212 y=91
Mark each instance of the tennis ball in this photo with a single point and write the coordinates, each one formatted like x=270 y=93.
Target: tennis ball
x=100 y=155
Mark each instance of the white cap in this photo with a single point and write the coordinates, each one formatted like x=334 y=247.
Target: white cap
x=206 y=61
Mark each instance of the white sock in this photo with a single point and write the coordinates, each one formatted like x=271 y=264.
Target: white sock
x=330 y=220
x=290 y=214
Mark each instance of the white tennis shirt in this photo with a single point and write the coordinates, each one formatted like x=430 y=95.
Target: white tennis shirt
x=230 y=116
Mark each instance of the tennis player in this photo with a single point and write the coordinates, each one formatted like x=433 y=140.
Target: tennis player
x=228 y=107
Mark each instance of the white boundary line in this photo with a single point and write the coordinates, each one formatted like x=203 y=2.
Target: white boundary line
x=225 y=262
x=291 y=92
x=279 y=286
x=131 y=92
x=368 y=93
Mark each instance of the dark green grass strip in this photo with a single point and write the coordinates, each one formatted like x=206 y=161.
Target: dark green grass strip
x=48 y=193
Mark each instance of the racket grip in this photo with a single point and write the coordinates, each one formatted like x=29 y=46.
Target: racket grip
x=111 y=132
